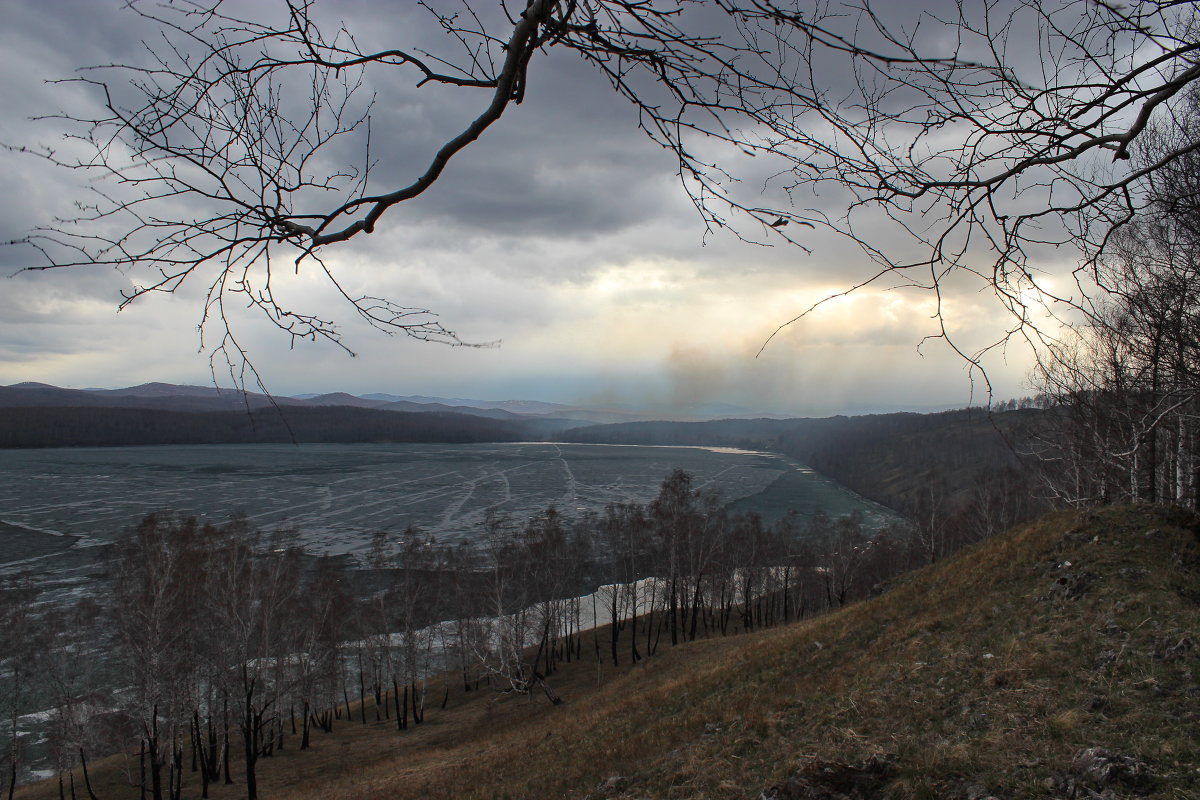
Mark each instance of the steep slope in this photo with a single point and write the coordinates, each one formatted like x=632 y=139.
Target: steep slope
x=997 y=672
x=1058 y=660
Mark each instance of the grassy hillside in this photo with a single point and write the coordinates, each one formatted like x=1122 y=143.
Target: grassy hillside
x=1061 y=659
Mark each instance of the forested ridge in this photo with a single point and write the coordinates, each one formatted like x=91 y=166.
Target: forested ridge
x=961 y=468
x=106 y=426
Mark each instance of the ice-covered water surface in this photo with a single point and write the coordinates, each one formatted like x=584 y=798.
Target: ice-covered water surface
x=337 y=495
x=56 y=505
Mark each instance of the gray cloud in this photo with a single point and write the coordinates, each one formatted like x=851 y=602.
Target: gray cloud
x=562 y=232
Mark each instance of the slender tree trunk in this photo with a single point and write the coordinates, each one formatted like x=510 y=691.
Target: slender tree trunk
x=540 y=681
x=305 y=727
x=404 y=718
x=226 y=749
x=614 y=631
x=152 y=750
x=696 y=605
x=652 y=647
x=418 y=704
x=542 y=645
x=176 y=770
x=250 y=747
x=199 y=744
x=400 y=721
x=787 y=574
x=634 y=655
x=673 y=608
x=362 y=692
x=596 y=627
x=87 y=781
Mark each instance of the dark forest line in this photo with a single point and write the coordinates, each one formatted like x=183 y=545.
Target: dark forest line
x=106 y=427
x=958 y=468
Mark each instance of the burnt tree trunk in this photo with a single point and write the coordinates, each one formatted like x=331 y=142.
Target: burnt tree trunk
x=87 y=781
x=305 y=727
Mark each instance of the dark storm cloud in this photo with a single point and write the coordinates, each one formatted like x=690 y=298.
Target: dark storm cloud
x=567 y=164
x=550 y=168
x=41 y=43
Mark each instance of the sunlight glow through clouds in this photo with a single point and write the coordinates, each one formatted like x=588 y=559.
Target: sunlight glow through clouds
x=562 y=234
x=698 y=336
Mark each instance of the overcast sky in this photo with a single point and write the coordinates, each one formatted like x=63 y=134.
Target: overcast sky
x=562 y=233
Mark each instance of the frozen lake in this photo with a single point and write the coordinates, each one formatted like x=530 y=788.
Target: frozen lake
x=56 y=505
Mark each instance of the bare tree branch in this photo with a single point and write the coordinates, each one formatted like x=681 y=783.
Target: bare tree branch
x=983 y=135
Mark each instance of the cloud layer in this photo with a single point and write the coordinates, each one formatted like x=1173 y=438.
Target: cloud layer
x=562 y=232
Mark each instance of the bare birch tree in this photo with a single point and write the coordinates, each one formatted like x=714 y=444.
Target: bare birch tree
x=1128 y=378
x=20 y=640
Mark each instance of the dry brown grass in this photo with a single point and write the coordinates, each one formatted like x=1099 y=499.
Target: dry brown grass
x=987 y=671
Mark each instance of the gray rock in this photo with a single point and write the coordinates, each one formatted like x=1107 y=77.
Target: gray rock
x=1101 y=768
x=1180 y=649
x=830 y=780
x=610 y=786
x=977 y=792
x=1071 y=585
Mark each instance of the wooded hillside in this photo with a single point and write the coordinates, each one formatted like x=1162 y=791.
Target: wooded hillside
x=1058 y=659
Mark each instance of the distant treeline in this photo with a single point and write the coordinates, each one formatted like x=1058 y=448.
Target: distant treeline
x=750 y=434
x=95 y=427
x=953 y=464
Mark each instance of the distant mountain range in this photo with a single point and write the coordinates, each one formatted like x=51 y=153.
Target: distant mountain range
x=172 y=397
x=695 y=412
x=41 y=415
x=149 y=395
